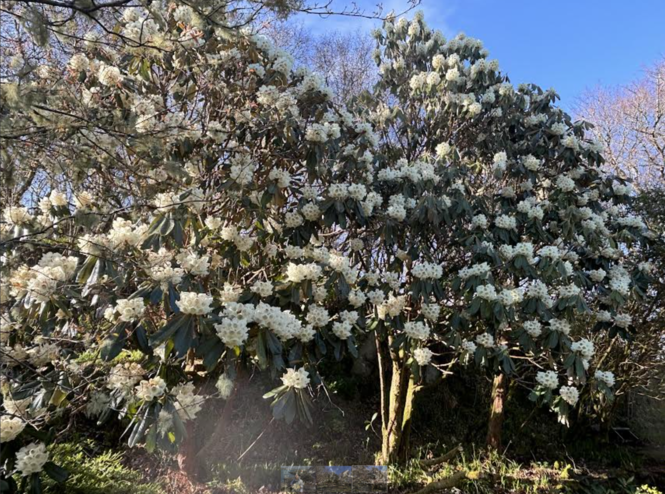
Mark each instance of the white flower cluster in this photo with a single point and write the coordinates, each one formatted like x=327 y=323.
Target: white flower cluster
x=597 y=275
x=124 y=233
x=565 y=183
x=551 y=252
x=531 y=163
x=297 y=273
x=10 y=428
x=510 y=296
x=195 y=303
x=486 y=292
x=417 y=330
x=123 y=377
x=632 y=221
x=506 y=222
x=242 y=169
x=17 y=215
x=151 y=389
x=342 y=329
x=322 y=132
x=427 y=271
x=109 y=75
x=225 y=386
x=97 y=404
x=529 y=207
x=130 y=310
x=621 y=190
x=298 y=379
x=187 y=403
x=31 y=459
x=233 y=331
x=620 y=279
x=548 y=379
x=422 y=355
x=623 y=320
x=605 y=376
x=431 y=311
x=193 y=263
x=480 y=221
x=393 y=280
x=584 y=347
x=342 y=264
x=538 y=290
x=392 y=307
x=397 y=207
x=476 y=270
x=560 y=325
x=311 y=211
x=533 y=328
x=262 y=288
x=159 y=268
x=645 y=267
x=292 y=219
x=317 y=316
x=571 y=290
x=485 y=340
x=468 y=346
x=569 y=394
x=357 y=298
x=443 y=149
x=603 y=316
x=42 y=280
x=499 y=162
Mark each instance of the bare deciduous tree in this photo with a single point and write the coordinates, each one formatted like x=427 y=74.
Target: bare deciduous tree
x=344 y=60
x=630 y=124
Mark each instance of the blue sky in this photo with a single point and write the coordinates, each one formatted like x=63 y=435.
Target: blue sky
x=570 y=45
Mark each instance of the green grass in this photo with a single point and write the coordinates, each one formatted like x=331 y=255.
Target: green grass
x=492 y=473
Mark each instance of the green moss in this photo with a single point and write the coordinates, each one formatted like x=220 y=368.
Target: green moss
x=91 y=473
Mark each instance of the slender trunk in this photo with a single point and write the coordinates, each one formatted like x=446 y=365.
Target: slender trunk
x=397 y=398
x=382 y=360
x=499 y=389
x=403 y=452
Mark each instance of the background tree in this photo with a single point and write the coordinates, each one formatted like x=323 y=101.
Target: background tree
x=629 y=122
x=343 y=59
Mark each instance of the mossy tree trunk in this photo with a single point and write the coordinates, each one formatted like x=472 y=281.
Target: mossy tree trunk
x=497 y=413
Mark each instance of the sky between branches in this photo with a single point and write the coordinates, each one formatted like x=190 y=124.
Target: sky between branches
x=571 y=45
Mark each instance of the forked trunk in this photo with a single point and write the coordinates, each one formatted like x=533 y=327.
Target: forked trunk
x=397 y=391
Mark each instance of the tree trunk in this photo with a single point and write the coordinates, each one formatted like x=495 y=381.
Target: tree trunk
x=404 y=447
x=186 y=457
x=499 y=389
x=396 y=405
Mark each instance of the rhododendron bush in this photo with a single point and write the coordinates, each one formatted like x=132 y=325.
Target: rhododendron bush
x=517 y=246
x=187 y=203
